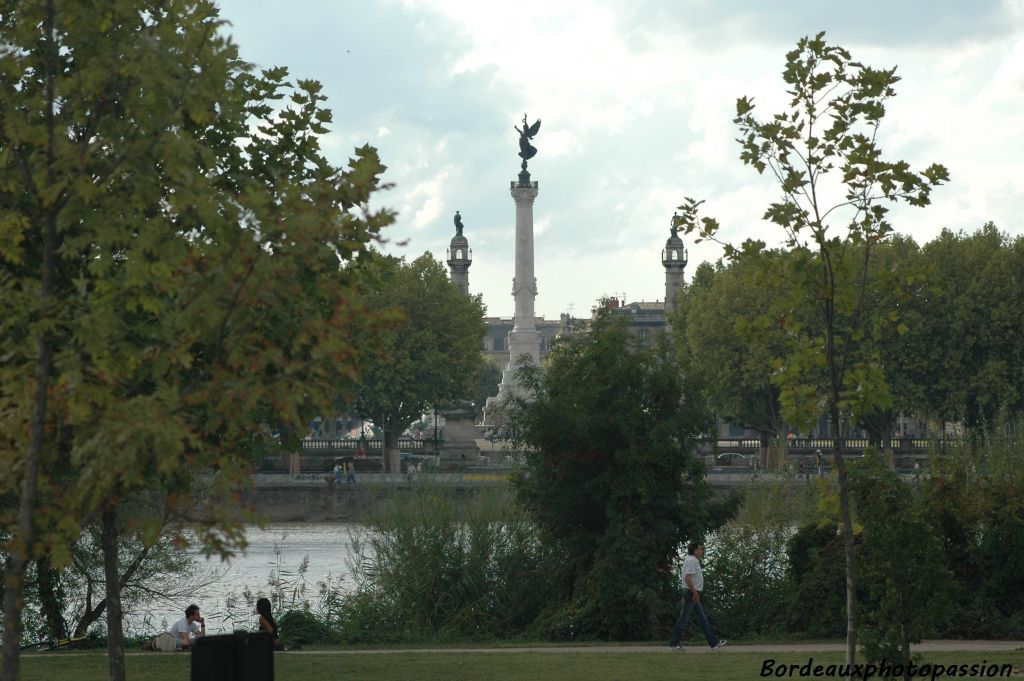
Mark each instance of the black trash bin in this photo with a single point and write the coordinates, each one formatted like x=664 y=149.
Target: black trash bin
x=240 y=656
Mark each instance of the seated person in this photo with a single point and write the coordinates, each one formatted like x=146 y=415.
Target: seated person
x=191 y=627
x=267 y=622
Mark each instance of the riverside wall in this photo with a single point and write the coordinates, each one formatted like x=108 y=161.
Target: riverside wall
x=282 y=498
x=319 y=502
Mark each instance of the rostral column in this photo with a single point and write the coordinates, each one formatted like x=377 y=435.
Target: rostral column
x=524 y=338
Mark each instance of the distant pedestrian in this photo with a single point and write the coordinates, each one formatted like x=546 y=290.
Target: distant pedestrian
x=693 y=585
x=338 y=473
x=817 y=460
x=351 y=465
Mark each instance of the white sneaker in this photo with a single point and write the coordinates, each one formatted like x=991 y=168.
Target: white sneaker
x=676 y=649
x=720 y=644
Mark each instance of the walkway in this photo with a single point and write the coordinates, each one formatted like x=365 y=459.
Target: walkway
x=924 y=647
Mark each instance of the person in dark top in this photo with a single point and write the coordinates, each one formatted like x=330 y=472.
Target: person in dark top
x=267 y=622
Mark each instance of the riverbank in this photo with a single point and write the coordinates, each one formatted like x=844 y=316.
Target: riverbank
x=283 y=499
x=311 y=498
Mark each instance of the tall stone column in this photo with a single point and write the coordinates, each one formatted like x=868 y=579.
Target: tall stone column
x=523 y=339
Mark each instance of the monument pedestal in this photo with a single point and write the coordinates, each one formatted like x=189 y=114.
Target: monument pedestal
x=460 y=435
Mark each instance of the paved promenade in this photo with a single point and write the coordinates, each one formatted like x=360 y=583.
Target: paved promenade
x=924 y=647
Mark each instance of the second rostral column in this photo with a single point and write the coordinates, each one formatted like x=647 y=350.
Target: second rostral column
x=524 y=338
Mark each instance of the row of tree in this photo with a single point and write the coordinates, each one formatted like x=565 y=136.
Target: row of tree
x=949 y=344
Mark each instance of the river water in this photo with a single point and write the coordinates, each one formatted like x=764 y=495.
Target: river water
x=300 y=555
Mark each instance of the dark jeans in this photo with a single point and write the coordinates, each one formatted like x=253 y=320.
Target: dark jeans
x=690 y=607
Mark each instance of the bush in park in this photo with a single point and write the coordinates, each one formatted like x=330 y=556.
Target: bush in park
x=907 y=592
x=303 y=627
x=972 y=498
x=431 y=566
x=746 y=587
x=814 y=557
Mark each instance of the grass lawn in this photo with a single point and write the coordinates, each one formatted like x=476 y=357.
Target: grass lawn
x=417 y=666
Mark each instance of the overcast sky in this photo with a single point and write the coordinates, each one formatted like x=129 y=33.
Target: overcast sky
x=637 y=101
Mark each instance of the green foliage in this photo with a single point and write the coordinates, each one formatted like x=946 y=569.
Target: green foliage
x=908 y=589
x=430 y=357
x=305 y=628
x=968 y=327
x=814 y=556
x=175 y=259
x=431 y=567
x=746 y=587
x=487 y=383
x=826 y=145
x=729 y=329
x=974 y=501
x=199 y=287
x=612 y=479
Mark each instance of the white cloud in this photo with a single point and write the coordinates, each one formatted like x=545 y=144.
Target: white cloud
x=426 y=200
x=637 y=108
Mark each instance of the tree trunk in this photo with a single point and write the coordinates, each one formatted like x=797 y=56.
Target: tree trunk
x=21 y=543
x=762 y=453
x=93 y=614
x=905 y=640
x=48 y=582
x=390 y=453
x=848 y=538
x=111 y=570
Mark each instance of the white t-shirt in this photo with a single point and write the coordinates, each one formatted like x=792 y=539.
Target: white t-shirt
x=691 y=566
x=183 y=627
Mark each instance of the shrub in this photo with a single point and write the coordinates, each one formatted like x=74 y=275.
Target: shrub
x=746 y=590
x=302 y=626
x=817 y=581
x=434 y=567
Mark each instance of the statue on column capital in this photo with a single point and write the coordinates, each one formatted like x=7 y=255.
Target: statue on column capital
x=458 y=224
x=527 y=150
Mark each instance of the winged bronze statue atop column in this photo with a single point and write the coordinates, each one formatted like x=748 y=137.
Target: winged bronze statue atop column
x=527 y=150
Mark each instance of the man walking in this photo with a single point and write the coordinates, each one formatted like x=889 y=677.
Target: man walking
x=693 y=585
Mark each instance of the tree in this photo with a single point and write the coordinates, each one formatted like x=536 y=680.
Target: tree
x=429 y=357
x=897 y=282
x=729 y=330
x=976 y=321
x=170 y=279
x=835 y=195
x=487 y=383
x=612 y=478
x=907 y=589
